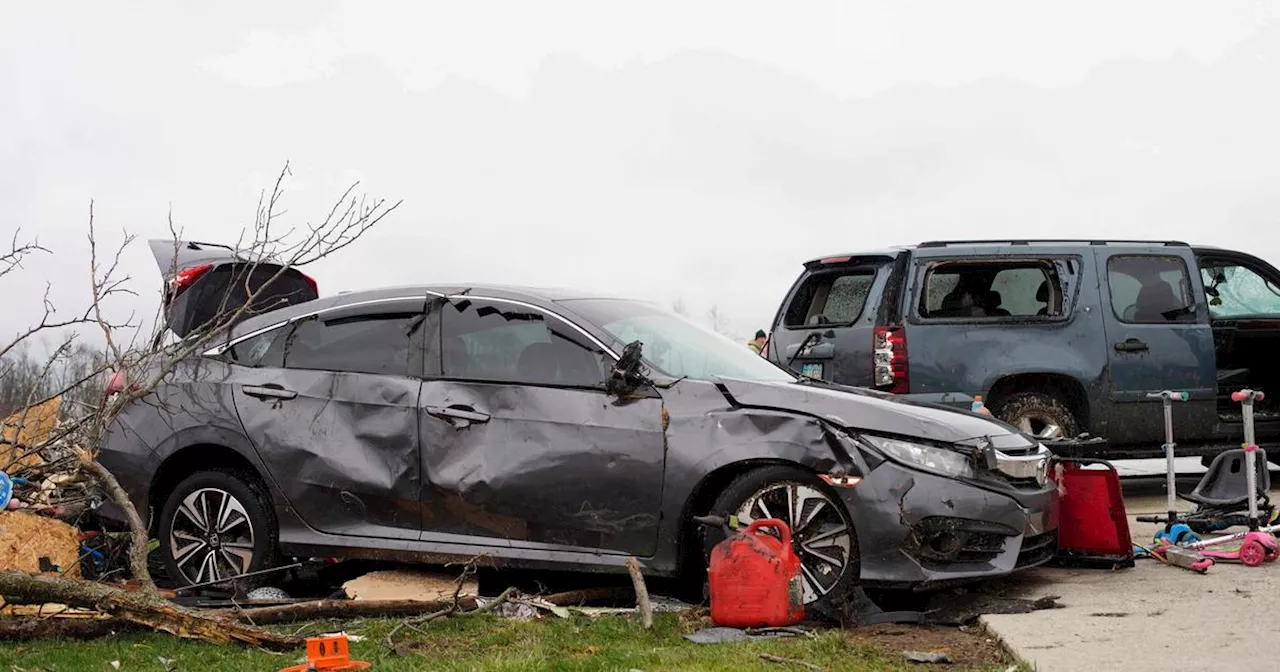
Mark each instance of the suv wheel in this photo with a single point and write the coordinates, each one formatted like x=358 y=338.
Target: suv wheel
x=822 y=535
x=1040 y=415
x=215 y=526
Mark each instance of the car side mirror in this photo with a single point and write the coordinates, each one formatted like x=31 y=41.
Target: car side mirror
x=626 y=375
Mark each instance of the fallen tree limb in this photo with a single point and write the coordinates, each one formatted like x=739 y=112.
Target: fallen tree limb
x=642 y=593
x=580 y=597
x=141 y=607
x=20 y=629
x=320 y=609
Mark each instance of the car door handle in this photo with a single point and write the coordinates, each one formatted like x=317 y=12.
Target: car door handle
x=1131 y=345
x=466 y=414
x=270 y=391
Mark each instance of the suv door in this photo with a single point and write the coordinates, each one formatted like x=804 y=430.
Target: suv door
x=330 y=403
x=1244 y=306
x=1159 y=338
x=832 y=296
x=521 y=445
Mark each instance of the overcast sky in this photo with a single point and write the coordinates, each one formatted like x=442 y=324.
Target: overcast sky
x=666 y=150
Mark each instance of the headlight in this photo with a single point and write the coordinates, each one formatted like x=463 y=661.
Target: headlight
x=931 y=458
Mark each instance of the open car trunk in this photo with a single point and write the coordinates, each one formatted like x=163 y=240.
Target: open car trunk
x=204 y=281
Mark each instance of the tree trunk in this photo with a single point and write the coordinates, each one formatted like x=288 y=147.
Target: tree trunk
x=141 y=607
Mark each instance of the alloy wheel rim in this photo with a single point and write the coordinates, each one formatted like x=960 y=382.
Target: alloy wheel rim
x=820 y=534
x=211 y=537
x=1040 y=426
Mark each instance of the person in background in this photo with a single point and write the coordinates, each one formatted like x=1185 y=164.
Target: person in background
x=757 y=344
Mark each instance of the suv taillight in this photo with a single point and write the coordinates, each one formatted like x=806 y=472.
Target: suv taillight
x=889 y=357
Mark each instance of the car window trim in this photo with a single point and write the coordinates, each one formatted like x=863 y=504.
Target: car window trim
x=221 y=349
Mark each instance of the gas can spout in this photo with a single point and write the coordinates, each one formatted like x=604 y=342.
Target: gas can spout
x=714 y=522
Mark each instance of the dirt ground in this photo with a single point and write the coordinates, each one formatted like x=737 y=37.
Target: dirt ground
x=969 y=647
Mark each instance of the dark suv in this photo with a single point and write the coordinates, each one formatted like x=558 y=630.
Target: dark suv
x=1059 y=337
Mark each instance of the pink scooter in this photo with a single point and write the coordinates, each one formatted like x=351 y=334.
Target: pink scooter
x=1258 y=543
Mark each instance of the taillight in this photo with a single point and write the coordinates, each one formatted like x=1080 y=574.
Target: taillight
x=186 y=277
x=114 y=386
x=889 y=356
x=311 y=281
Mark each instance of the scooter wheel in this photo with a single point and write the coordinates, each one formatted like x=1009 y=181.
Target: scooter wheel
x=1252 y=553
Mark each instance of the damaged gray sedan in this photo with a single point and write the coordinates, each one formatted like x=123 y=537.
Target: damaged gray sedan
x=553 y=430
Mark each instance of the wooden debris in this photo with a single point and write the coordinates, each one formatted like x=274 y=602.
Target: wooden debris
x=407 y=585
x=642 y=593
x=26 y=538
x=30 y=426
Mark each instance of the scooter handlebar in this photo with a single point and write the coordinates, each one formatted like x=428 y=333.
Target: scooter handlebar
x=1171 y=396
x=1250 y=395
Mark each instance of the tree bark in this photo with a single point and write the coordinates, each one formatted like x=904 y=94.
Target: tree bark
x=642 y=593
x=310 y=611
x=137 y=531
x=141 y=607
x=23 y=629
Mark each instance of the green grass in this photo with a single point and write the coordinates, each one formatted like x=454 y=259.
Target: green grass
x=477 y=643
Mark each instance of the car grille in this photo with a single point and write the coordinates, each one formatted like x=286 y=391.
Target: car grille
x=1037 y=549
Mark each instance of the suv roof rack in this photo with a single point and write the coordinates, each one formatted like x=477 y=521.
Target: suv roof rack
x=1029 y=241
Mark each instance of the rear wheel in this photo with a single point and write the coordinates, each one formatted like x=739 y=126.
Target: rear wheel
x=1041 y=415
x=822 y=535
x=215 y=526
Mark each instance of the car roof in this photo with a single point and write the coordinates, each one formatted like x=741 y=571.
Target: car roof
x=1009 y=245
x=542 y=297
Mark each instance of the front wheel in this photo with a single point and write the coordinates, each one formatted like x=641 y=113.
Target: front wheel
x=822 y=535
x=214 y=527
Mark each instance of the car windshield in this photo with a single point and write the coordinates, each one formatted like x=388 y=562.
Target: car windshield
x=675 y=345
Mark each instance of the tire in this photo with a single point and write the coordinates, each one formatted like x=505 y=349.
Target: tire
x=823 y=594
x=1041 y=415
x=248 y=541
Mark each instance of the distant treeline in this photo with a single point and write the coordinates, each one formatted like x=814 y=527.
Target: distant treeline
x=27 y=378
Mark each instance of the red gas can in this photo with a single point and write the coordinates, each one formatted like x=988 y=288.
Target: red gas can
x=755 y=579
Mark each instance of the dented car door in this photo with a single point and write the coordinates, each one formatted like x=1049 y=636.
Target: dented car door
x=521 y=445
x=330 y=404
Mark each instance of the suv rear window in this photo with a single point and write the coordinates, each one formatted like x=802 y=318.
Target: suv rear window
x=832 y=297
x=1013 y=289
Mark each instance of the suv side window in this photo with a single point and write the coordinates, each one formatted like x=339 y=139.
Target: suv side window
x=1238 y=291
x=831 y=298
x=1150 y=289
x=509 y=343
x=377 y=343
x=991 y=289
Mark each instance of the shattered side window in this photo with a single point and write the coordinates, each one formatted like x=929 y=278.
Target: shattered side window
x=991 y=289
x=496 y=341
x=265 y=349
x=1238 y=291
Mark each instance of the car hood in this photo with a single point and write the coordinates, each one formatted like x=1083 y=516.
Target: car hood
x=876 y=412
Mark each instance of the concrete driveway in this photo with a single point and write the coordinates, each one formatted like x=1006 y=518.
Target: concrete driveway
x=1153 y=614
